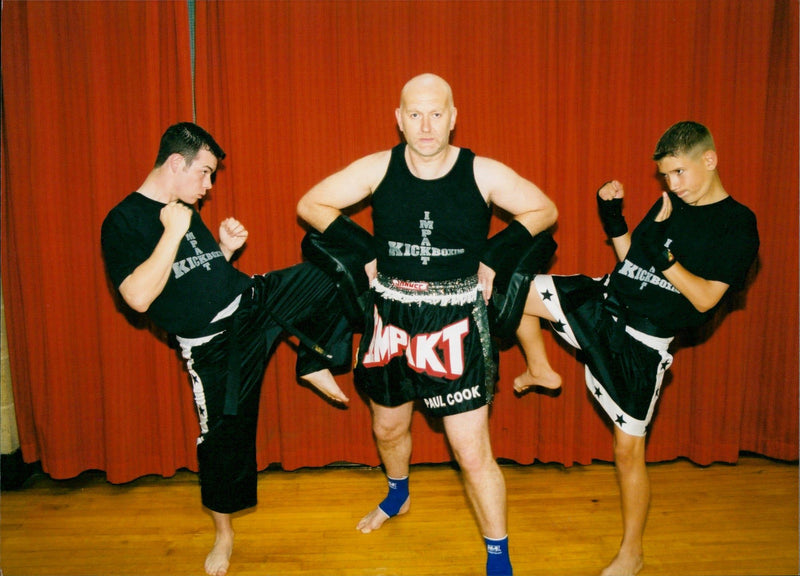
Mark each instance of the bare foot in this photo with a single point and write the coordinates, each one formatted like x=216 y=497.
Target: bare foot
x=324 y=381
x=623 y=565
x=377 y=517
x=218 y=560
x=542 y=379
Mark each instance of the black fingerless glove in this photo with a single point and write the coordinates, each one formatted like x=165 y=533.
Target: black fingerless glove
x=503 y=250
x=341 y=252
x=349 y=236
x=611 y=216
x=652 y=241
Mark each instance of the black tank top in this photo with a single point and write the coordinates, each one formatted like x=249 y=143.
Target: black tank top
x=429 y=229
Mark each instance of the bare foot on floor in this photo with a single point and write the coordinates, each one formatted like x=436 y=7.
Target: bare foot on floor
x=218 y=560
x=324 y=381
x=624 y=566
x=377 y=517
x=549 y=379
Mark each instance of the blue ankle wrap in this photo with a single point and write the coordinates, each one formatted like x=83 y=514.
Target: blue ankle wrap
x=498 y=563
x=397 y=496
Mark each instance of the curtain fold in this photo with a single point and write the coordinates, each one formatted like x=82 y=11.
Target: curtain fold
x=88 y=88
x=769 y=358
x=569 y=94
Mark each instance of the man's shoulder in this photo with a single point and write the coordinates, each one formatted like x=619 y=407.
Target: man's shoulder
x=489 y=172
x=371 y=168
x=118 y=210
x=485 y=163
x=131 y=212
x=383 y=156
x=134 y=201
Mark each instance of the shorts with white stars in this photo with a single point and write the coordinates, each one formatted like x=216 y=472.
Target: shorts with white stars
x=625 y=367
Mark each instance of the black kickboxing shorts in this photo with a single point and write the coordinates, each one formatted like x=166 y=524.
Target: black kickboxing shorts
x=427 y=341
x=625 y=365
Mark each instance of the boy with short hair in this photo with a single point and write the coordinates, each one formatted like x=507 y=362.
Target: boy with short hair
x=692 y=247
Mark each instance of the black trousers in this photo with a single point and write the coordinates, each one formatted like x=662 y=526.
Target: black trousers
x=227 y=369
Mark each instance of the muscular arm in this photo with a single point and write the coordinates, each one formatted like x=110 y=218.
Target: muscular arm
x=325 y=201
x=503 y=187
x=147 y=281
x=521 y=198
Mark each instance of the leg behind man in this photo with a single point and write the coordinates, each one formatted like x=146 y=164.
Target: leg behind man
x=538 y=371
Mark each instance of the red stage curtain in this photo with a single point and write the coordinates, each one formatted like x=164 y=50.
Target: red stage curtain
x=88 y=89
x=570 y=94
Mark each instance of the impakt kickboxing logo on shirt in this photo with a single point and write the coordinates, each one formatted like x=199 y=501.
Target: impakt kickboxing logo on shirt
x=647 y=278
x=439 y=354
x=424 y=250
x=182 y=267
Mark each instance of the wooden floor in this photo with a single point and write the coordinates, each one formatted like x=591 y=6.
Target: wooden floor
x=721 y=519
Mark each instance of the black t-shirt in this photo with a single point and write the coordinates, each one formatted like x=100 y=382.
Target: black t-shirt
x=202 y=281
x=716 y=241
x=429 y=229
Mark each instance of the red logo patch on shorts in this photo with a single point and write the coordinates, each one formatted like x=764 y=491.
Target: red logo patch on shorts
x=410 y=286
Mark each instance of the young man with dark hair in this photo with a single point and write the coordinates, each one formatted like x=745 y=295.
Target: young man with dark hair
x=166 y=263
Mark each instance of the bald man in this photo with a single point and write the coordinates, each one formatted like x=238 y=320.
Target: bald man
x=427 y=334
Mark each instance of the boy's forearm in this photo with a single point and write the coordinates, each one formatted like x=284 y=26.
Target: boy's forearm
x=703 y=294
x=621 y=245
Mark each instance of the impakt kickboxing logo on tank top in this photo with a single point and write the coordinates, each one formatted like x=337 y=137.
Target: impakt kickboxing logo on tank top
x=200 y=259
x=424 y=250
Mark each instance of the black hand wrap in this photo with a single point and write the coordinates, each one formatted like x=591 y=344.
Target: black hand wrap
x=341 y=252
x=611 y=216
x=515 y=256
x=652 y=239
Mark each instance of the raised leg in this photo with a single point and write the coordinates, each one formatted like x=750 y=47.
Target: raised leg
x=324 y=381
x=539 y=373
